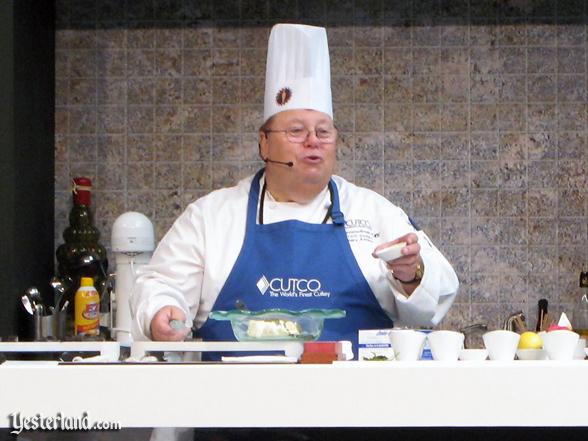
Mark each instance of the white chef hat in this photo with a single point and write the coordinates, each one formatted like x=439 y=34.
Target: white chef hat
x=298 y=73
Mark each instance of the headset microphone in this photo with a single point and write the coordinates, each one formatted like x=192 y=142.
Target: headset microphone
x=289 y=163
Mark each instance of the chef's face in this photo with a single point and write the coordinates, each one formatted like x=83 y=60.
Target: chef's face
x=307 y=138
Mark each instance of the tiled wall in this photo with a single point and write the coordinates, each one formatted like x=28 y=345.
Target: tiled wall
x=471 y=115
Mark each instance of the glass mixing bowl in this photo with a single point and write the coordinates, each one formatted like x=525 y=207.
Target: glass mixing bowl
x=277 y=324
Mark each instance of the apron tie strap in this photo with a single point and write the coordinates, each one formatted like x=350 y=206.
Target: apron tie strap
x=334 y=211
x=338 y=218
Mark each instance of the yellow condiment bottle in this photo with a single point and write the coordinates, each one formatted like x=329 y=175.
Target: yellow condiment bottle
x=87 y=309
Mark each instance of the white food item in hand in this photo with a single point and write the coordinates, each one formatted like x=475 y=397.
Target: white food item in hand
x=392 y=252
x=272 y=328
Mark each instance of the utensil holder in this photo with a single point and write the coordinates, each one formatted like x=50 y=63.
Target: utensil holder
x=52 y=327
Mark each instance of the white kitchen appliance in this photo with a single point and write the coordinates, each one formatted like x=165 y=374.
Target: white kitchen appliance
x=133 y=242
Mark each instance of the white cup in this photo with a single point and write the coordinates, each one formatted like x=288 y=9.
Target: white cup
x=446 y=345
x=407 y=344
x=560 y=344
x=501 y=344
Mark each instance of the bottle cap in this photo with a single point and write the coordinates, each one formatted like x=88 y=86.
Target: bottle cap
x=82 y=189
x=86 y=281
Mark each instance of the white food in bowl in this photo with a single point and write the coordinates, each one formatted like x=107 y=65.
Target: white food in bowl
x=273 y=328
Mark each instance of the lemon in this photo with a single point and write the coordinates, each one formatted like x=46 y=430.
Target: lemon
x=530 y=340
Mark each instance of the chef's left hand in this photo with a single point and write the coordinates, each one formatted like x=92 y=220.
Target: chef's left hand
x=161 y=329
x=404 y=267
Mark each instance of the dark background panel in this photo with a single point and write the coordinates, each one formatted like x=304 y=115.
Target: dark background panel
x=27 y=49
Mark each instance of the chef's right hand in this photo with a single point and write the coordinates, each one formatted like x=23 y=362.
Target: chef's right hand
x=160 y=324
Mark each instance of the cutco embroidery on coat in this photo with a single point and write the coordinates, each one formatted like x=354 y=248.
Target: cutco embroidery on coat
x=291 y=287
x=283 y=96
x=359 y=230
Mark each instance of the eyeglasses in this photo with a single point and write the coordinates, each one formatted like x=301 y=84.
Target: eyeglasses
x=325 y=135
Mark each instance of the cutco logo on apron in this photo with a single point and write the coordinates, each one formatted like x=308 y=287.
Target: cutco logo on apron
x=291 y=287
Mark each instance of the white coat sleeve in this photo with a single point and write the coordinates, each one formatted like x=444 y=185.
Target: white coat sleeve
x=430 y=301
x=174 y=274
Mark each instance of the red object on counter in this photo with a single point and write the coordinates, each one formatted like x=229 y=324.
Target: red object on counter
x=320 y=352
x=82 y=190
x=317 y=358
x=321 y=347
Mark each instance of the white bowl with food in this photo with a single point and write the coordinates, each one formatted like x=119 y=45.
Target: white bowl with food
x=277 y=324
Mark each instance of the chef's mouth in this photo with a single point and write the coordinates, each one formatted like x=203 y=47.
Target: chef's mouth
x=313 y=158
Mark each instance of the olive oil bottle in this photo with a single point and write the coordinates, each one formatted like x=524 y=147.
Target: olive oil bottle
x=81 y=237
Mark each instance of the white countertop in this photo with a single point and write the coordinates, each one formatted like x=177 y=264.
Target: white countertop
x=346 y=394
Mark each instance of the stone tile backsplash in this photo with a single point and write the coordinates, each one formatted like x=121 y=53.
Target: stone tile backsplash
x=472 y=116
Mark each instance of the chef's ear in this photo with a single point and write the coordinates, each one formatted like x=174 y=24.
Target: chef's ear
x=259 y=151
x=262 y=144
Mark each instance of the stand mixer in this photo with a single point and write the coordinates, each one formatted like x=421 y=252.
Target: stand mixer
x=133 y=242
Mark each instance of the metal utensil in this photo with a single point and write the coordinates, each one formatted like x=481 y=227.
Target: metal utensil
x=27 y=304
x=38 y=324
x=520 y=325
x=59 y=290
x=35 y=296
x=515 y=322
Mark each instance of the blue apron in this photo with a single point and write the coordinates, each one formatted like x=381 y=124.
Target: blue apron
x=297 y=265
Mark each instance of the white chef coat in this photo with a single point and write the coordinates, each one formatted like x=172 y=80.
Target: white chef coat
x=195 y=257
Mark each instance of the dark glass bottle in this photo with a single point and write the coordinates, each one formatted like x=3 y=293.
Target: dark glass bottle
x=82 y=254
x=580 y=315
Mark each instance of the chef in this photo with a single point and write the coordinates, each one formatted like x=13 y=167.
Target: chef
x=294 y=235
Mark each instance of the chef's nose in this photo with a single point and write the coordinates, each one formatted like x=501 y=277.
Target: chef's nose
x=311 y=139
